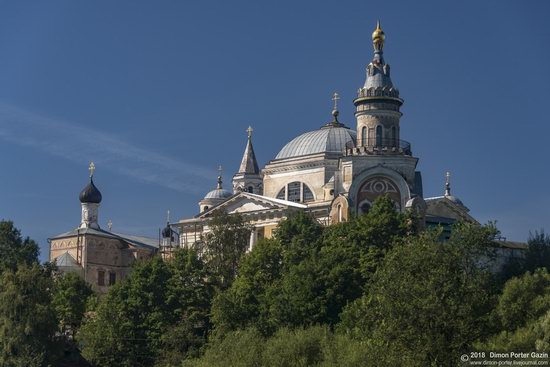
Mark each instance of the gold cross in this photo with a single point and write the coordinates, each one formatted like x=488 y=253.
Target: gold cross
x=448 y=178
x=249 y=131
x=335 y=98
x=91 y=168
x=110 y=224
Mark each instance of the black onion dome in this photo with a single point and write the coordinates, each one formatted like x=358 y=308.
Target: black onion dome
x=167 y=232
x=90 y=194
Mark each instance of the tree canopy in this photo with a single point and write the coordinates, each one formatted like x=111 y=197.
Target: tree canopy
x=14 y=249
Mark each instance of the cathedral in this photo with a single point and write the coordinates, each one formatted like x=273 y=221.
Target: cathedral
x=333 y=171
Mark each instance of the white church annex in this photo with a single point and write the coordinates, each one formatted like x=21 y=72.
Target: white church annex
x=332 y=171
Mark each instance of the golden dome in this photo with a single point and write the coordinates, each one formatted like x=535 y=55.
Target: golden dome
x=378 y=33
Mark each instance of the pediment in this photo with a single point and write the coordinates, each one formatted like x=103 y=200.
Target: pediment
x=249 y=203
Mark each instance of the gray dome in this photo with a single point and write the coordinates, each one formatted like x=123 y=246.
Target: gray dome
x=328 y=139
x=218 y=194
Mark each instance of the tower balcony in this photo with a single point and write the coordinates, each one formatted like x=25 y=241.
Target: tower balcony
x=378 y=146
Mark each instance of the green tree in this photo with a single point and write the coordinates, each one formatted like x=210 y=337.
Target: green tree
x=14 y=249
x=127 y=326
x=524 y=299
x=245 y=303
x=299 y=236
x=70 y=295
x=536 y=256
x=188 y=296
x=224 y=245
x=307 y=273
x=242 y=348
x=428 y=301
x=523 y=313
x=27 y=319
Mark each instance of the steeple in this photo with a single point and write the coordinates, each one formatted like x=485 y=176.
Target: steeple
x=378 y=72
x=248 y=163
x=248 y=177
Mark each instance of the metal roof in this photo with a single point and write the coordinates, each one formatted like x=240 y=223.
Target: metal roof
x=66 y=261
x=328 y=139
x=137 y=241
x=218 y=194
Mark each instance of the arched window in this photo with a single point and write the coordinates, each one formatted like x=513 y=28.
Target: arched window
x=339 y=213
x=364 y=136
x=297 y=192
x=308 y=195
x=294 y=191
x=282 y=194
x=250 y=189
x=206 y=207
x=379 y=136
x=393 y=136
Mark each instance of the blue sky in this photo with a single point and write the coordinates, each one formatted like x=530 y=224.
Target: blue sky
x=159 y=93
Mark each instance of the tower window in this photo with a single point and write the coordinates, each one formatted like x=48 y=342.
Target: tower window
x=364 y=136
x=379 y=135
x=394 y=136
x=250 y=189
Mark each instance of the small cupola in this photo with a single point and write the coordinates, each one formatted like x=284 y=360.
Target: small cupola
x=90 y=198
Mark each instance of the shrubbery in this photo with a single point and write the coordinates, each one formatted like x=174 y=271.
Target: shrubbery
x=368 y=292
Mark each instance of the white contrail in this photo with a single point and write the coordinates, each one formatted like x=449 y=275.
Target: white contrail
x=81 y=144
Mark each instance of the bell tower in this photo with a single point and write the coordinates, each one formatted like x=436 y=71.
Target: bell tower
x=378 y=103
x=379 y=163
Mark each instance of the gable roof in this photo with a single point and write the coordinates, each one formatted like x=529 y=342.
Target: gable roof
x=135 y=241
x=65 y=261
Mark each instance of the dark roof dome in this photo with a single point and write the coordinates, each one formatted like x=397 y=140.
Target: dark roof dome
x=90 y=194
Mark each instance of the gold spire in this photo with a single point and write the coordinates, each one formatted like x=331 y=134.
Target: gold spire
x=378 y=37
